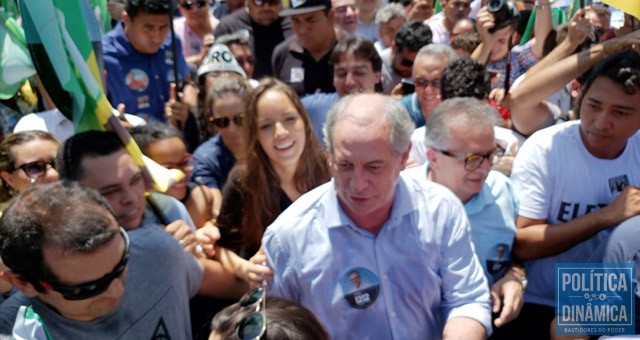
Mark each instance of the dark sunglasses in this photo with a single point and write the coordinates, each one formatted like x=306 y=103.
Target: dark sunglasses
x=474 y=160
x=223 y=122
x=186 y=161
x=406 y=62
x=96 y=287
x=254 y=325
x=190 y=4
x=422 y=83
x=37 y=168
x=262 y=2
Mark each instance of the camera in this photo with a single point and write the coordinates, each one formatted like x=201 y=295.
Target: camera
x=407 y=86
x=504 y=13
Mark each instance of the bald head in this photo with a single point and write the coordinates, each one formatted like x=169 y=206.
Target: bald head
x=371 y=110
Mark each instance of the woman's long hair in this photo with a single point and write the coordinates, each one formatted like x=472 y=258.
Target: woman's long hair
x=258 y=179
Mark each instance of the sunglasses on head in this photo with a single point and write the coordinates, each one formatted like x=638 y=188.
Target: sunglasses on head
x=223 y=122
x=190 y=4
x=262 y=2
x=254 y=325
x=37 y=168
x=96 y=287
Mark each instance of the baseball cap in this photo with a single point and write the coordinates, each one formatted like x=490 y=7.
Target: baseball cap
x=296 y=7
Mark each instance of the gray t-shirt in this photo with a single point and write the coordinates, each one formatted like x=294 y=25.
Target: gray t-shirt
x=161 y=279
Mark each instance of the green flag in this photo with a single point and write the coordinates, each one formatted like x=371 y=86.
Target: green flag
x=437 y=7
x=15 y=62
x=64 y=40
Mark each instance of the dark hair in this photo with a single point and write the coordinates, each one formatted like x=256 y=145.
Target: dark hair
x=623 y=68
x=412 y=36
x=232 y=38
x=359 y=47
x=286 y=320
x=152 y=132
x=134 y=7
x=64 y=216
x=257 y=177
x=464 y=77
x=466 y=41
x=84 y=145
x=7 y=159
x=227 y=83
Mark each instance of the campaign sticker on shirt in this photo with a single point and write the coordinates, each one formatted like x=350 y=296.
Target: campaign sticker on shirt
x=618 y=183
x=297 y=75
x=143 y=102
x=498 y=258
x=137 y=80
x=360 y=287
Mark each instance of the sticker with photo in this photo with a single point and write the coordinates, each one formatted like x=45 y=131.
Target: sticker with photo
x=360 y=287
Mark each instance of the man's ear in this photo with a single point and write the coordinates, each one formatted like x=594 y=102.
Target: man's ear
x=7 y=178
x=431 y=158
x=17 y=281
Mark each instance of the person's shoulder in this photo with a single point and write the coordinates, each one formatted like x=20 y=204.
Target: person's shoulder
x=9 y=311
x=306 y=208
x=212 y=148
x=555 y=134
x=498 y=182
x=235 y=20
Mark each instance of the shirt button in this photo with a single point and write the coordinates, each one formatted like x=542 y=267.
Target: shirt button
x=393 y=314
x=157 y=77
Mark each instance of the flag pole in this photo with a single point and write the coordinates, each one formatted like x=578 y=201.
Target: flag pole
x=174 y=50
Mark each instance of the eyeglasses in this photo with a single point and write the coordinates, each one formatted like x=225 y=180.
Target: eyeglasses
x=96 y=287
x=474 y=160
x=37 y=168
x=186 y=161
x=190 y=4
x=254 y=325
x=262 y=2
x=223 y=122
x=422 y=83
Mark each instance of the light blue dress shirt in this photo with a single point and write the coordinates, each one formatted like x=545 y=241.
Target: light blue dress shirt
x=421 y=260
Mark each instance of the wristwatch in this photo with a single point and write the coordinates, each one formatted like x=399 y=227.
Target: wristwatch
x=521 y=276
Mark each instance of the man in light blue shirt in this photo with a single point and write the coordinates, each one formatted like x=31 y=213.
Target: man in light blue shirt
x=375 y=254
x=461 y=148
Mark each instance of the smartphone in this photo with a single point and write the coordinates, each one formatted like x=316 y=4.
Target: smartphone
x=407 y=86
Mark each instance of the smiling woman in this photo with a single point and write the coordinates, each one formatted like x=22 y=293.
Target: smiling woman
x=282 y=161
x=26 y=158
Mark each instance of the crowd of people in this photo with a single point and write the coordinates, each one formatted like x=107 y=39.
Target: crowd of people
x=350 y=169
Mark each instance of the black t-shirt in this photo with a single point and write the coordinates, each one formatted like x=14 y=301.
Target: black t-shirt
x=263 y=39
x=229 y=220
x=295 y=66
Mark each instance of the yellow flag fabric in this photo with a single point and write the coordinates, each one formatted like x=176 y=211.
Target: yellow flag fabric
x=628 y=6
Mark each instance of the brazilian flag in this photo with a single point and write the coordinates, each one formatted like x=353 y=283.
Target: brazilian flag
x=63 y=37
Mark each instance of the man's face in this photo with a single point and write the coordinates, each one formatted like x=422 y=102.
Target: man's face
x=501 y=47
x=265 y=14
x=313 y=29
x=193 y=13
x=427 y=71
x=368 y=6
x=608 y=118
x=364 y=167
x=119 y=179
x=464 y=139
x=146 y=32
x=354 y=75
x=403 y=61
x=455 y=10
x=347 y=15
x=244 y=57
x=388 y=30
x=77 y=268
